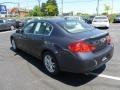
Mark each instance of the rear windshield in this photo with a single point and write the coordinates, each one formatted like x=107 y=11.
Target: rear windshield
x=100 y=17
x=74 y=26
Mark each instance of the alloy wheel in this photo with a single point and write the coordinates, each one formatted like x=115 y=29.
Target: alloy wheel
x=49 y=64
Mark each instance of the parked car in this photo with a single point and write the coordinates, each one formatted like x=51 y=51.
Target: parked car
x=74 y=18
x=64 y=45
x=4 y=25
x=90 y=19
x=12 y=22
x=117 y=19
x=20 y=22
x=101 y=21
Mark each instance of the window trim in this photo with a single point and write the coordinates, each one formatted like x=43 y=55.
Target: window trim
x=44 y=34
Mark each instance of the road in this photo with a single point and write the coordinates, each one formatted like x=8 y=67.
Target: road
x=20 y=71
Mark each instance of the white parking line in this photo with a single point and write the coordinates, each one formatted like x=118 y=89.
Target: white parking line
x=106 y=76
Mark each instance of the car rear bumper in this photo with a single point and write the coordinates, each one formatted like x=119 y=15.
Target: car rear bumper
x=100 y=24
x=84 y=62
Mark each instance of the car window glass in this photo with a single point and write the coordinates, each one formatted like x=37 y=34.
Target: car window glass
x=29 y=28
x=48 y=29
x=43 y=28
x=73 y=26
x=100 y=17
x=37 y=29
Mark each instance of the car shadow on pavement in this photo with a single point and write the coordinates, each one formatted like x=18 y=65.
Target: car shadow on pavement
x=71 y=79
x=103 y=28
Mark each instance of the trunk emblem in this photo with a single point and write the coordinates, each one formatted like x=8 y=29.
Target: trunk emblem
x=100 y=42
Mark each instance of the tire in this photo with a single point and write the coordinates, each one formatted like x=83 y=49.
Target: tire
x=50 y=63
x=14 y=47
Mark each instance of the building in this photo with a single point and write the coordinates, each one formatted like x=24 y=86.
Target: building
x=18 y=12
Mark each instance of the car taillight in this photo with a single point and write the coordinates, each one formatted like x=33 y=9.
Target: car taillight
x=109 y=39
x=81 y=47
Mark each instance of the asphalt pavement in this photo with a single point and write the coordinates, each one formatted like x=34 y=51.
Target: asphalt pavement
x=21 y=71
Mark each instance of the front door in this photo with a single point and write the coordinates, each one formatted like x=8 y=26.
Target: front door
x=27 y=36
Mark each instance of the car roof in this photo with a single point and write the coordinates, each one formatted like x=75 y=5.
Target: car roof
x=54 y=20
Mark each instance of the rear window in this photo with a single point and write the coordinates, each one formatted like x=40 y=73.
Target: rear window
x=100 y=17
x=74 y=26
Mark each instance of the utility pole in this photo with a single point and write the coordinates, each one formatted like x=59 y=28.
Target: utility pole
x=97 y=9
x=39 y=3
x=112 y=8
x=18 y=8
x=62 y=7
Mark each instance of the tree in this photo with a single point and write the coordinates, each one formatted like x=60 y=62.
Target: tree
x=56 y=9
x=31 y=13
x=104 y=13
x=49 y=8
x=52 y=8
x=36 y=11
x=43 y=9
x=107 y=8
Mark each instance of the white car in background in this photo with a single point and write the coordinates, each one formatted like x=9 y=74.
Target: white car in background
x=79 y=18
x=101 y=21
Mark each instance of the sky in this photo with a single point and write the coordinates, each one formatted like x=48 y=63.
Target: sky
x=83 y=6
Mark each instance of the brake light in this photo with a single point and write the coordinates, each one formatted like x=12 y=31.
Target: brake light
x=109 y=39
x=81 y=47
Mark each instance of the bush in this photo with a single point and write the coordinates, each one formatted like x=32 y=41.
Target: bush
x=112 y=18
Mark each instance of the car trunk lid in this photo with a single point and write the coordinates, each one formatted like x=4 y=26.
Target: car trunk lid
x=94 y=37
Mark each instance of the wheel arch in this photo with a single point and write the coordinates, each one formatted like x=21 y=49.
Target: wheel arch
x=54 y=55
x=47 y=50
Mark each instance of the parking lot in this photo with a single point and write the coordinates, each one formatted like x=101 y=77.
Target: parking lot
x=20 y=71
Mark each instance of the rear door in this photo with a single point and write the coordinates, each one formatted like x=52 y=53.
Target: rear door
x=42 y=31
